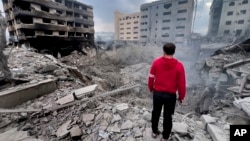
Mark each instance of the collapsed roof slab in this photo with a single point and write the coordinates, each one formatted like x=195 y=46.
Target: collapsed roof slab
x=20 y=94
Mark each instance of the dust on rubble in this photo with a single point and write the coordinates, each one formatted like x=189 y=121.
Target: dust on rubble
x=125 y=115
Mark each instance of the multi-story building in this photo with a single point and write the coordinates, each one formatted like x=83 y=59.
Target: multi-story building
x=214 y=19
x=166 y=21
x=235 y=19
x=51 y=24
x=127 y=26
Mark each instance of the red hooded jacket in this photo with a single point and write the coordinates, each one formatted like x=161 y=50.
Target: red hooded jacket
x=167 y=75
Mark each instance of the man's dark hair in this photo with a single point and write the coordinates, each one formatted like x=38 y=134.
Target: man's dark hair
x=169 y=48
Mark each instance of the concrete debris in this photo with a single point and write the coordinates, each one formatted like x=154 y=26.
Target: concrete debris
x=79 y=93
x=67 y=99
x=243 y=104
x=217 y=133
x=179 y=127
x=14 y=135
x=75 y=131
x=127 y=125
x=63 y=131
x=88 y=117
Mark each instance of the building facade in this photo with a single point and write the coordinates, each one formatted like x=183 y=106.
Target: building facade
x=235 y=19
x=55 y=22
x=214 y=18
x=166 y=21
x=127 y=26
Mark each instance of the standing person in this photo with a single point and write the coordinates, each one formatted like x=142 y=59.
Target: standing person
x=167 y=75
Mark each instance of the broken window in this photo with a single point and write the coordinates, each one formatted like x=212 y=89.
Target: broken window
x=182 y=11
x=144 y=36
x=128 y=28
x=231 y=4
x=181 y=19
x=245 y=2
x=238 y=32
x=226 y=31
x=46 y=20
x=128 y=37
x=167 y=13
x=166 y=21
x=230 y=13
x=228 y=22
x=165 y=35
x=78 y=25
x=45 y=9
x=180 y=27
x=85 y=26
x=182 y=1
x=136 y=22
x=135 y=37
x=61 y=33
x=58 y=1
x=135 y=32
x=241 y=22
x=69 y=14
x=179 y=35
x=156 y=14
x=48 y=32
x=78 y=34
x=165 y=28
x=243 y=11
x=121 y=28
x=167 y=6
x=60 y=22
x=26 y=20
x=136 y=27
x=128 y=32
x=28 y=32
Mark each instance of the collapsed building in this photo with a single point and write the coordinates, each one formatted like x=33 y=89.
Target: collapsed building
x=51 y=26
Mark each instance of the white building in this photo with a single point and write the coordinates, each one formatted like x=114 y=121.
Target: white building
x=166 y=21
x=235 y=19
x=127 y=26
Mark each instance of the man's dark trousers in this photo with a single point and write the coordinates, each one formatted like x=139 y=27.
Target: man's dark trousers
x=168 y=101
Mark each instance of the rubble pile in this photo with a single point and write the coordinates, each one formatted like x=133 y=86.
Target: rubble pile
x=226 y=78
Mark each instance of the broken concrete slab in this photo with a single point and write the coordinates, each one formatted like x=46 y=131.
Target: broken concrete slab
x=137 y=132
x=79 y=93
x=217 y=133
x=23 y=93
x=206 y=119
x=88 y=117
x=115 y=129
x=14 y=135
x=75 y=131
x=66 y=99
x=63 y=130
x=127 y=125
x=180 y=127
x=243 y=104
x=121 y=107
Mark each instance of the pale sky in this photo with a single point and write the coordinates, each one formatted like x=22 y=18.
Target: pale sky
x=104 y=12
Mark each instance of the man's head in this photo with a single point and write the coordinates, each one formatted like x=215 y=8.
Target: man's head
x=169 y=49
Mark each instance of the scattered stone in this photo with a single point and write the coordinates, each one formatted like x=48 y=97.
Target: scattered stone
x=88 y=117
x=217 y=133
x=127 y=125
x=103 y=134
x=103 y=125
x=130 y=139
x=147 y=116
x=180 y=127
x=206 y=119
x=75 y=131
x=137 y=132
x=122 y=107
x=147 y=135
x=79 y=93
x=67 y=99
x=116 y=118
x=14 y=135
x=63 y=130
x=49 y=68
x=26 y=127
x=115 y=129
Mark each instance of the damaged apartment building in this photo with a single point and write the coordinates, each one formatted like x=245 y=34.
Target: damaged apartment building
x=52 y=26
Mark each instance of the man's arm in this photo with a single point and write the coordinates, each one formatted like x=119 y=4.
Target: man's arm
x=151 y=78
x=181 y=84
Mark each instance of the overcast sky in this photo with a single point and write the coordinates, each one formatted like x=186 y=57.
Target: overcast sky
x=104 y=12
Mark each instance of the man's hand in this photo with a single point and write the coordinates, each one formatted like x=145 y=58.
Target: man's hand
x=180 y=101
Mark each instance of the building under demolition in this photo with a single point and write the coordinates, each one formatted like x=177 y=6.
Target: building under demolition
x=50 y=25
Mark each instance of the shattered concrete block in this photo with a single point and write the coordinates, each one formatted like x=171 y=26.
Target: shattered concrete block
x=63 y=130
x=75 y=131
x=130 y=139
x=49 y=68
x=147 y=135
x=206 y=119
x=67 y=99
x=103 y=134
x=88 y=117
x=127 y=125
x=137 y=132
x=20 y=94
x=180 y=127
x=79 y=93
x=115 y=129
x=122 y=107
x=147 y=116
x=14 y=135
x=217 y=133
x=116 y=118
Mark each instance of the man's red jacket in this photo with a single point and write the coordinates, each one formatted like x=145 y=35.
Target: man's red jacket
x=167 y=75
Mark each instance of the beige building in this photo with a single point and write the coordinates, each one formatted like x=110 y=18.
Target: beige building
x=166 y=21
x=235 y=19
x=127 y=26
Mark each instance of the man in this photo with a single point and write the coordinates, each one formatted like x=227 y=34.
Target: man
x=167 y=75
